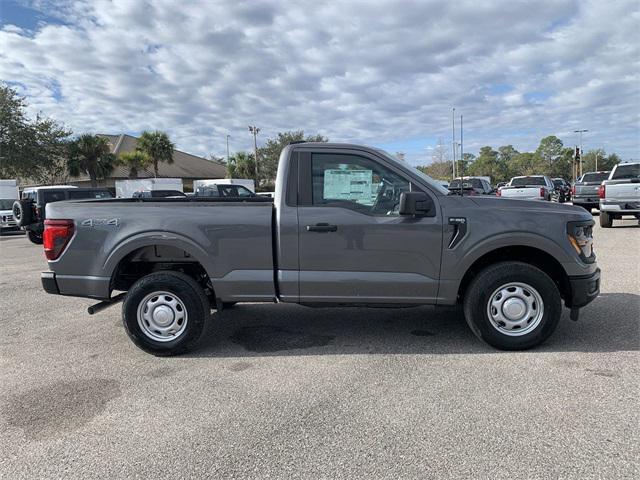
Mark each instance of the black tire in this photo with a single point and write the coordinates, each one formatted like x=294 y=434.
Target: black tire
x=606 y=220
x=35 y=237
x=483 y=286
x=189 y=293
x=22 y=212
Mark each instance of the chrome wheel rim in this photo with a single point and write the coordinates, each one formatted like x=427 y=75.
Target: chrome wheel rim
x=515 y=309
x=162 y=316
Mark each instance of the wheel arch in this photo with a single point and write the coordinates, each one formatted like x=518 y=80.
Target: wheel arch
x=518 y=253
x=153 y=252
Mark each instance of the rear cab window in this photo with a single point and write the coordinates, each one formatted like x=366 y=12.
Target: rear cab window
x=595 y=177
x=623 y=171
x=528 y=181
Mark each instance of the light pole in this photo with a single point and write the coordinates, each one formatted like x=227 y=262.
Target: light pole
x=581 y=152
x=228 y=137
x=453 y=140
x=461 y=149
x=255 y=130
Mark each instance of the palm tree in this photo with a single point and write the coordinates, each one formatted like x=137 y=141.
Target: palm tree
x=92 y=155
x=241 y=165
x=157 y=146
x=134 y=161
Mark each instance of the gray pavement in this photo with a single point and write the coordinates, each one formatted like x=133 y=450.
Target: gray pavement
x=290 y=392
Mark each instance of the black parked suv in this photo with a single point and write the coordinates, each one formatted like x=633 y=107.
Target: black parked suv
x=561 y=190
x=29 y=211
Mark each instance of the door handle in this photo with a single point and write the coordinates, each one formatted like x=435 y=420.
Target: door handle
x=322 y=227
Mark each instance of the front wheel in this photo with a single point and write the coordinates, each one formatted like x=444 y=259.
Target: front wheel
x=512 y=306
x=164 y=313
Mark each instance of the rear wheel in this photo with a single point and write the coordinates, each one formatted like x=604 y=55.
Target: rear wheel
x=606 y=220
x=512 y=306
x=164 y=313
x=35 y=237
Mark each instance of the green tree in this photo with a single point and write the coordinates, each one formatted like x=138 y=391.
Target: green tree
x=526 y=163
x=135 y=161
x=440 y=170
x=241 y=165
x=605 y=162
x=157 y=146
x=90 y=154
x=562 y=166
x=550 y=150
x=269 y=155
x=489 y=164
x=29 y=149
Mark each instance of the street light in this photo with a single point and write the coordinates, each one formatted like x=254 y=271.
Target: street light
x=581 y=152
x=255 y=130
x=228 y=137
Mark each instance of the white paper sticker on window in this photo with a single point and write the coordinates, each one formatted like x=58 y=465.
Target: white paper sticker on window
x=353 y=185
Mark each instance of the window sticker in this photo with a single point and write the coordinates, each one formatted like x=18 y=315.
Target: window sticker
x=353 y=185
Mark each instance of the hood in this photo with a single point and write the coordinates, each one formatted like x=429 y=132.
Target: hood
x=530 y=206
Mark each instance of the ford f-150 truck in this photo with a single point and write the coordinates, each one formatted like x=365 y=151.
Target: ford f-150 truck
x=349 y=225
x=620 y=194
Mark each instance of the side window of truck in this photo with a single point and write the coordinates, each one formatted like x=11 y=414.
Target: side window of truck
x=355 y=182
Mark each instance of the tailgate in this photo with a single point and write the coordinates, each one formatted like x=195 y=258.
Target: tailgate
x=587 y=190
x=623 y=191
x=525 y=192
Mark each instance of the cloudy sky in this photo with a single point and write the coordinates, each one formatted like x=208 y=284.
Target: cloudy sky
x=380 y=73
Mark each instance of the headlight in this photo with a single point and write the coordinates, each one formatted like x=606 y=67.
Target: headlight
x=580 y=236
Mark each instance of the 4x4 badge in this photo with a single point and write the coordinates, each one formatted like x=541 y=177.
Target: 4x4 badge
x=94 y=222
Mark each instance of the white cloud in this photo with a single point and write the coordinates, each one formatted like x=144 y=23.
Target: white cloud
x=371 y=72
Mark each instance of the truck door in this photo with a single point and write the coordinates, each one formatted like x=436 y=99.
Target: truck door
x=353 y=245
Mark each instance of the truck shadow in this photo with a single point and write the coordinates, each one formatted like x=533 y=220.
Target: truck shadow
x=610 y=323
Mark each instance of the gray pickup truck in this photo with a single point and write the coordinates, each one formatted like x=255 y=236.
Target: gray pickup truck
x=585 y=190
x=349 y=225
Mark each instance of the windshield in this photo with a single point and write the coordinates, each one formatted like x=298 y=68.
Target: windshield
x=595 y=177
x=526 y=181
x=6 y=204
x=626 y=171
x=419 y=173
x=558 y=182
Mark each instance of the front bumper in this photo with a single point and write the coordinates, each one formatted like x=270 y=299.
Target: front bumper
x=584 y=289
x=76 y=285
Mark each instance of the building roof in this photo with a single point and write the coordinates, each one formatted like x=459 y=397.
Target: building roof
x=184 y=164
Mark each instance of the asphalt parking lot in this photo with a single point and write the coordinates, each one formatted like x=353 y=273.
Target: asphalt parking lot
x=287 y=391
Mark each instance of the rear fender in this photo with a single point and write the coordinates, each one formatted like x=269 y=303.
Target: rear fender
x=148 y=239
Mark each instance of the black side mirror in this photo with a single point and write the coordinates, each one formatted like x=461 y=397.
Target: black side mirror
x=417 y=204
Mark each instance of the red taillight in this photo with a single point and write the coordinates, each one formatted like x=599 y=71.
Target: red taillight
x=542 y=192
x=573 y=190
x=602 y=191
x=57 y=234
x=498 y=193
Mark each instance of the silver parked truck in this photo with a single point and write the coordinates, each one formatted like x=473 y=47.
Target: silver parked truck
x=349 y=226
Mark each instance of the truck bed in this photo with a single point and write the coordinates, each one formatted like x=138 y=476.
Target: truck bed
x=231 y=239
